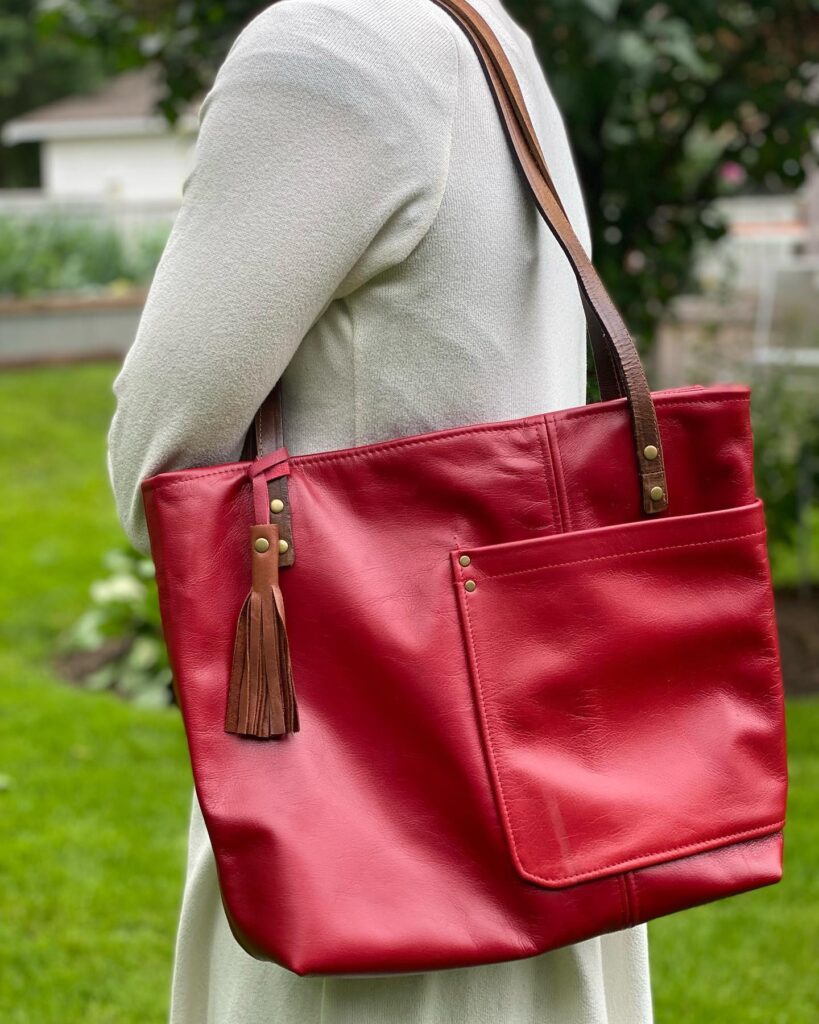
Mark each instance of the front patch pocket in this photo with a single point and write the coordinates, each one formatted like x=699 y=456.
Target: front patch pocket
x=627 y=680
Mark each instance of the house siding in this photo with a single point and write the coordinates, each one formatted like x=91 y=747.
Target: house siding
x=132 y=169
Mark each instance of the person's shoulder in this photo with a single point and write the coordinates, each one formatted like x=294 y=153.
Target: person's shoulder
x=351 y=20
x=378 y=37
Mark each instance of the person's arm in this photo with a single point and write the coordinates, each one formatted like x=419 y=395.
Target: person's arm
x=321 y=160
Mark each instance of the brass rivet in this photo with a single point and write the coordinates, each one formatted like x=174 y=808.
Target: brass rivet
x=657 y=493
x=464 y=559
x=276 y=505
x=283 y=546
x=650 y=451
x=470 y=585
x=261 y=544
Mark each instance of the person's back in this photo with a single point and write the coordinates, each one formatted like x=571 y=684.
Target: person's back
x=355 y=222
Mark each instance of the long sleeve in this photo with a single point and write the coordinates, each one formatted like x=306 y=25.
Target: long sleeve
x=320 y=163
x=354 y=219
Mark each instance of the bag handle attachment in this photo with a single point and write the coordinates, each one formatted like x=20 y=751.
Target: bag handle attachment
x=617 y=361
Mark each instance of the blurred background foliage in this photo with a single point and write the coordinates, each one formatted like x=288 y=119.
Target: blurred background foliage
x=670 y=106
x=36 y=67
x=116 y=644
x=61 y=254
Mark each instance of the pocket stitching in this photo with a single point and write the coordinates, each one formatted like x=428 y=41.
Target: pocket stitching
x=621 y=554
x=689 y=848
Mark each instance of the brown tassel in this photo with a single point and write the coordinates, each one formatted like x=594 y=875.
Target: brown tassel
x=261 y=697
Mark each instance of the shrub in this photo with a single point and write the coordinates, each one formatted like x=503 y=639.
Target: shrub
x=60 y=254
x=117 y=643
x=786 y=452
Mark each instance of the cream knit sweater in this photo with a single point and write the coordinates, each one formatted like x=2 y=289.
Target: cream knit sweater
x=354 y=221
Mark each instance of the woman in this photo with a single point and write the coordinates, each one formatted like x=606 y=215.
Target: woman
x=354 y=223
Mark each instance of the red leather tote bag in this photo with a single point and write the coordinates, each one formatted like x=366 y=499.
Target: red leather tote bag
x=528 y=690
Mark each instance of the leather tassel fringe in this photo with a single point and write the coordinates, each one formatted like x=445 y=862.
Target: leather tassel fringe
x=261 y=696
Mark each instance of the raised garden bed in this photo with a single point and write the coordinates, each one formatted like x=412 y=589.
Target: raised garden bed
x=68 y=328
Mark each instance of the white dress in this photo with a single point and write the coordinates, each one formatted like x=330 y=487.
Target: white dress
x=354 y=221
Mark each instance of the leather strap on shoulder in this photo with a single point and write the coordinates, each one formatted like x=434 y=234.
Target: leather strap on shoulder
x=616 y=358
x=608 y=378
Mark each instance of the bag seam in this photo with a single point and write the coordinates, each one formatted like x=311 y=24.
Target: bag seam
x=555 y=517
x=399 y=442
x=672 y=403
x=629 y=916
x=561 y=475
x=298 y=461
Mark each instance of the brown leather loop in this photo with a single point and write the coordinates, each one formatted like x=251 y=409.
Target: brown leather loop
x=617 y=361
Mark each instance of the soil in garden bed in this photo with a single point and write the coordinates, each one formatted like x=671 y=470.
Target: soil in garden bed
x=798 y=621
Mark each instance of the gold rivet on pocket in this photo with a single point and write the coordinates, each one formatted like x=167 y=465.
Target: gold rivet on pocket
x=261 y=544
x=277 y=505
x=470 y=585
x=464 y=560
x=651 y=452
x=283 y=546
x=657 y=493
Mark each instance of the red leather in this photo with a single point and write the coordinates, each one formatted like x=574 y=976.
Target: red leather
x=587 y=649
x=591 y=737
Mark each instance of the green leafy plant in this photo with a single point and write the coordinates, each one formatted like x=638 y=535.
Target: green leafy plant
x=61 y=254
x=117 y=643
x=668 y=105
x=671 y=106
x=786 y=453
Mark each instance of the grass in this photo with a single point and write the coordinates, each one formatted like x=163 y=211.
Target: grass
x=94 y=794
x=751 y=959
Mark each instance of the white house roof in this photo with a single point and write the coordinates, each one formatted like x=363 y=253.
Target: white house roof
x=125 y=105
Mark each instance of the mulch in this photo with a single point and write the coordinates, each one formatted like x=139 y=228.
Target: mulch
x=798 y=620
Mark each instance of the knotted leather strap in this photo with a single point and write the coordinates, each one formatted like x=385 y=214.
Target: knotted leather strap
x=617 y=361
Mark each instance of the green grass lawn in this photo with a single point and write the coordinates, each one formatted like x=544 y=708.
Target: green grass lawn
x=95 y=793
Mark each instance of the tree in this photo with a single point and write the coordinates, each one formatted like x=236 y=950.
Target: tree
x=668 y=106
x=36 y=68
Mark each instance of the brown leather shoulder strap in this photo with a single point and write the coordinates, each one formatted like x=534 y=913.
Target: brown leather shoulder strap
x=608 y=377
x=617 y=359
